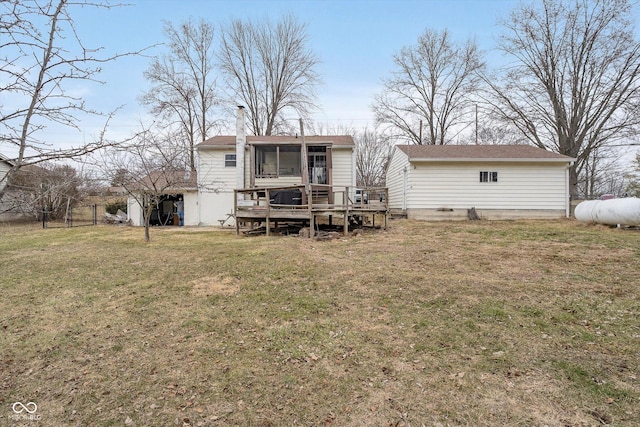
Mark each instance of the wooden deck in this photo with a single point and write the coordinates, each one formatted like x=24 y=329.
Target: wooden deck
x=307 y=204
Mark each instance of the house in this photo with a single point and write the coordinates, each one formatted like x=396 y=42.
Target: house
x=175 y=189
x=499 y=181
x=5 y=203
x=236 y=162
x=5 y=166
x=228 y=163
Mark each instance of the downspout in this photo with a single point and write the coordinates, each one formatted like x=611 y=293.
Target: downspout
x=241 y=140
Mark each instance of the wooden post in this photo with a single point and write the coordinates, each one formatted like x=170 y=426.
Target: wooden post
x=386 y=206
x=235 y=211
x=304 y=159
x=252 y=166
x=266 y=193
x=346 y=215
x=329 y=163
x=345 y=230
x=310 y=205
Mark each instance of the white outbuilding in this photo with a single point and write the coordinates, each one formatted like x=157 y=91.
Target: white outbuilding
x=499 y=181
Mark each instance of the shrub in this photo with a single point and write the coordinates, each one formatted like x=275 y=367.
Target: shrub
x=113 y=207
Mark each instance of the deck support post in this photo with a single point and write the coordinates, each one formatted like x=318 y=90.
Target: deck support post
x=346 y=225
x=266 y=193
x=312 y=218
x=346 y=220
x=235 y=211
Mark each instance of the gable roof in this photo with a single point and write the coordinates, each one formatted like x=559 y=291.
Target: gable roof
x=480 y=153
x=226 y=141
x=169 y=181
x=5 y=159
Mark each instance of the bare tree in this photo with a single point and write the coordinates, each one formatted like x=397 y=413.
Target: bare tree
x=373 y=153
x=54 y=188
x=430 y=89
x=184 y=84
x=147 y=169
x=602 y=173
x=325 y=128
x=35 y=67
x=494 y=132
x=633 y=177
x=270 y=70
x=574 y=85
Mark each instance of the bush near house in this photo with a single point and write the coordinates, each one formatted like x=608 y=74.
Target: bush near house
x=116 y=205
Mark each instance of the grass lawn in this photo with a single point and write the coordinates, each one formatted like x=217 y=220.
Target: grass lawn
x=526 y=323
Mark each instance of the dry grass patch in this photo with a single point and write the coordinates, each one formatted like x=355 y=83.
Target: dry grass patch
x=470 y=323
x=208 y=286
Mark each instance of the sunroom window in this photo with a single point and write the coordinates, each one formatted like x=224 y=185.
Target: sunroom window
x=274 y=161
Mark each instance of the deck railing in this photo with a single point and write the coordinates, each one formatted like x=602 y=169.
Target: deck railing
x=321 y=196
x=304 y=203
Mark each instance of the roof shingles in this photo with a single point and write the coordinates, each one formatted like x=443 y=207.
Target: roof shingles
x=479 y=152
x=230 y=140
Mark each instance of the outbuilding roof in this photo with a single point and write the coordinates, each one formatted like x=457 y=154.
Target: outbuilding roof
x=441 y=153
x=169 y=181
x=230 y=140
x=6 y=159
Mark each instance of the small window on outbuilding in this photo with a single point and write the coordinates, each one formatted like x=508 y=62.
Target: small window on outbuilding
x=487 y=176
x=229 y=160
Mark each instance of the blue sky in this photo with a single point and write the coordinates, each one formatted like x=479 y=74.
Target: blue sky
x=354 y=39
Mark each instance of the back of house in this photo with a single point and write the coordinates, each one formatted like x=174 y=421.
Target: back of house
x=228 y=163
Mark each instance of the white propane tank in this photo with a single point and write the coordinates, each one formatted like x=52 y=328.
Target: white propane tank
x=625 y=211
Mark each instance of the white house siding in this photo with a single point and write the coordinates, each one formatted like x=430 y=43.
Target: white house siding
x=395 y=180
x=134 y=212
x=342 y=166
x=4 y=169
x=191 y=216
x=523 y=189
x=216 y=183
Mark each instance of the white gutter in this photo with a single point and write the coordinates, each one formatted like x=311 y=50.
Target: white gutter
x=488 y=160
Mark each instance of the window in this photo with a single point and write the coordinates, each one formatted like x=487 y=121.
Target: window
x=229 y=160
x=276 y=161
x=486 y=176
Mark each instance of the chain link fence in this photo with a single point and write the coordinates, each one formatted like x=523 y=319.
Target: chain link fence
x=78 y=216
